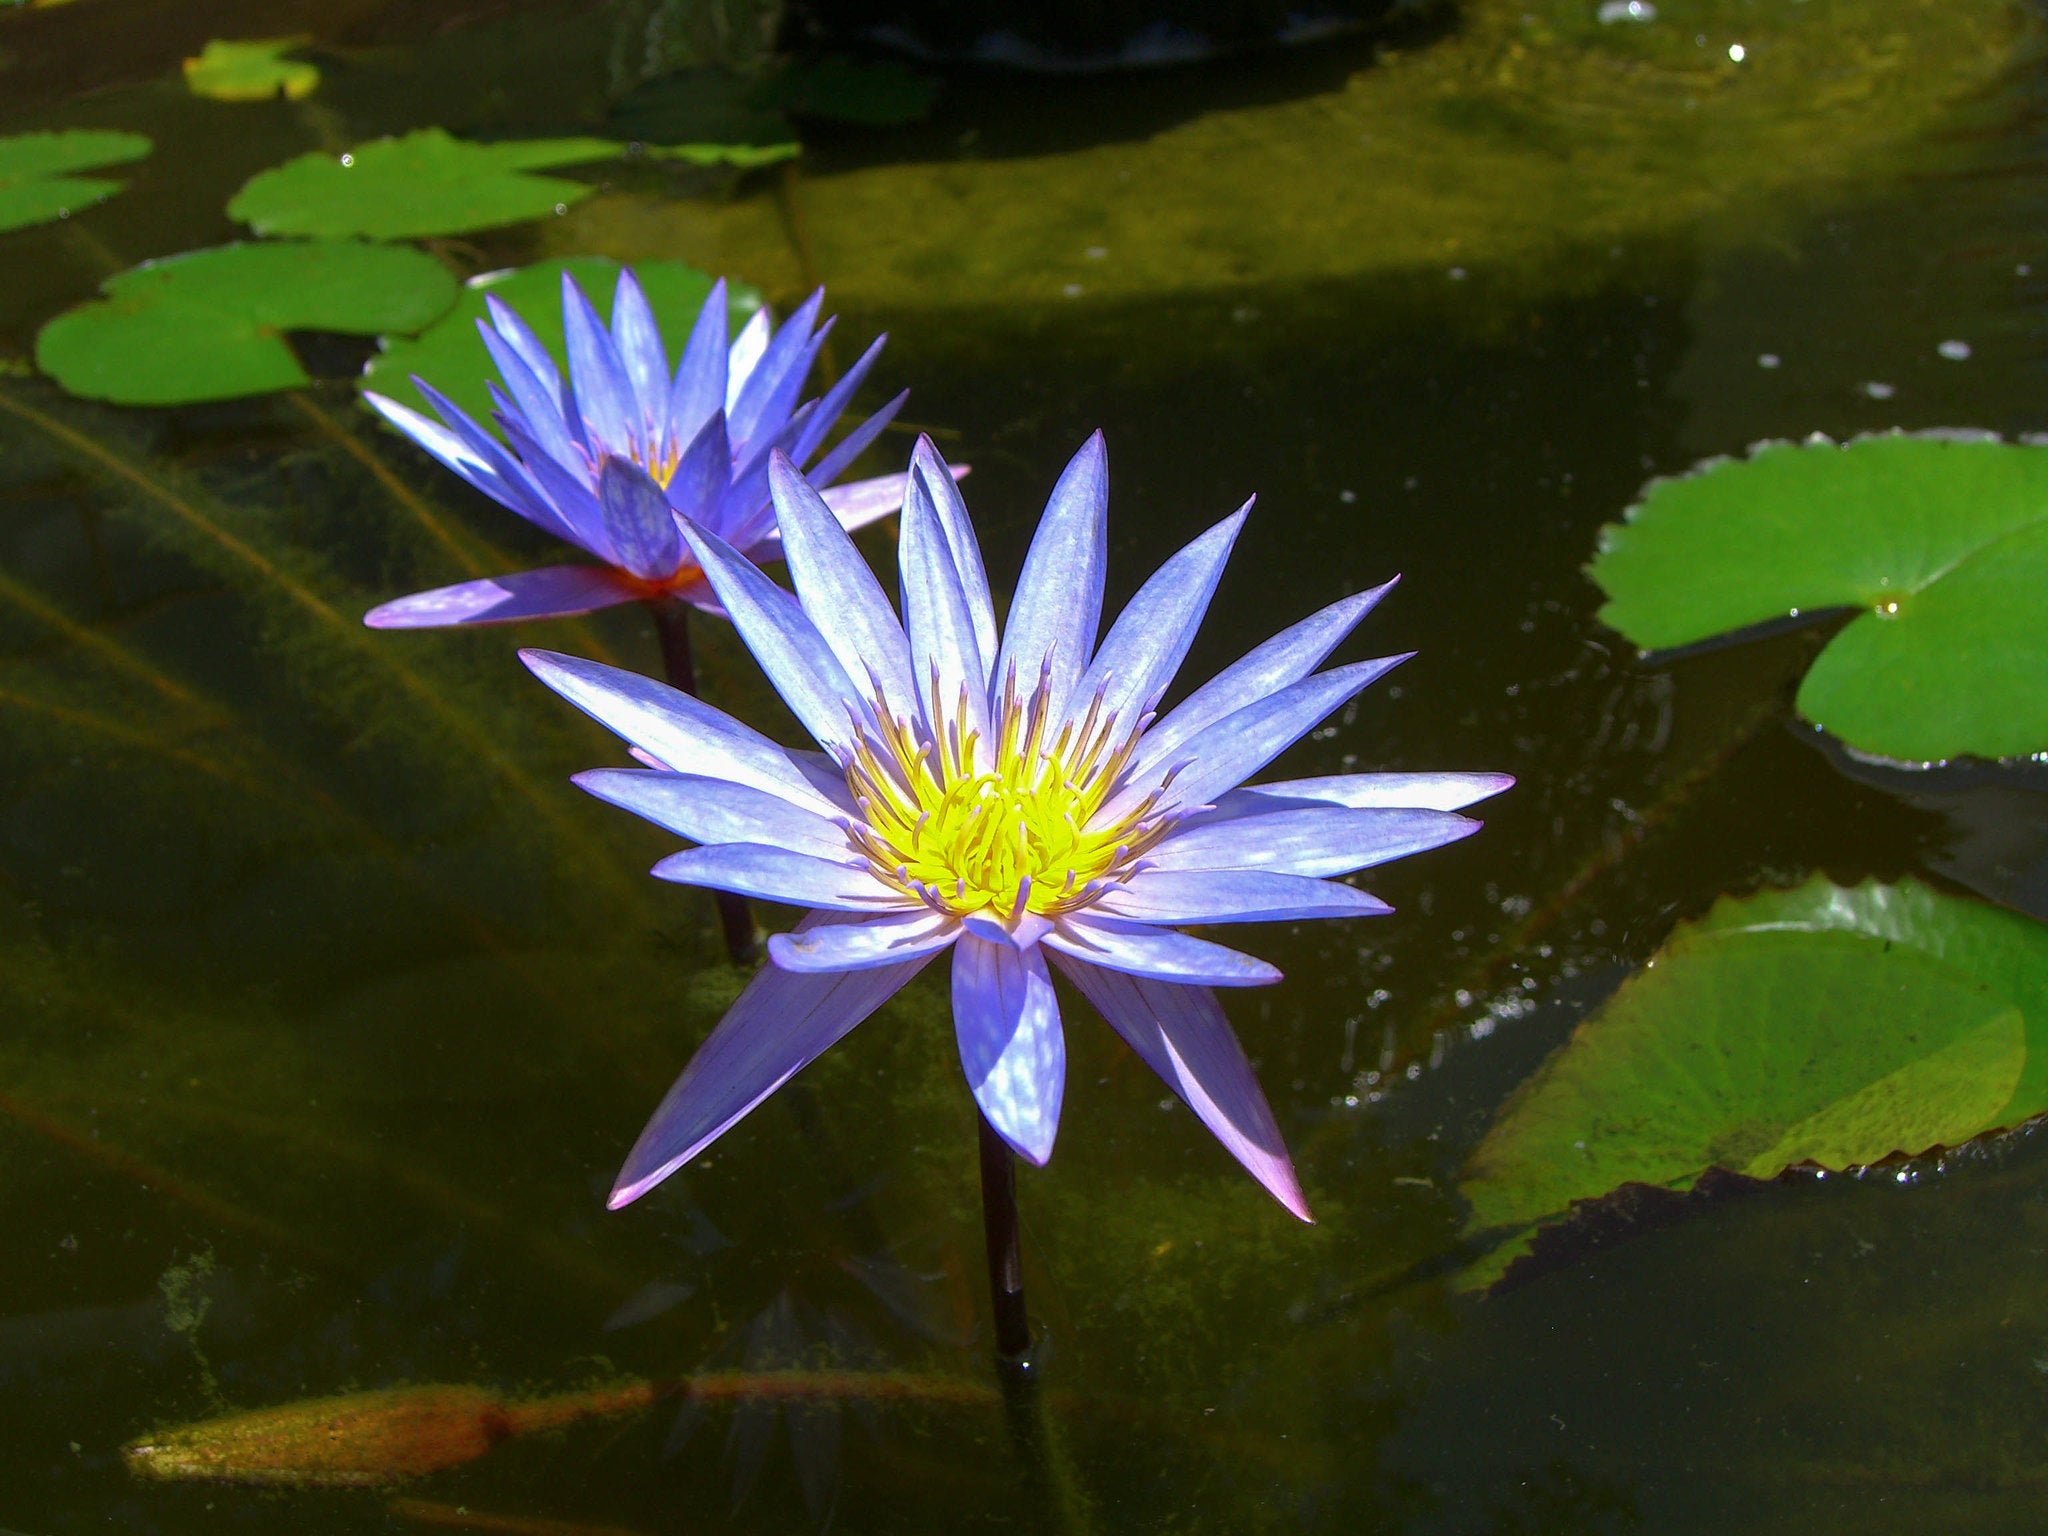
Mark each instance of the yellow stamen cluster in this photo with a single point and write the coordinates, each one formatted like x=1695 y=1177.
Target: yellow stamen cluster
x=1007 y=829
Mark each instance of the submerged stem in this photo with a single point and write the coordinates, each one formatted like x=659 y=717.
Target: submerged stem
x=672 y=626
x=1005 y=1258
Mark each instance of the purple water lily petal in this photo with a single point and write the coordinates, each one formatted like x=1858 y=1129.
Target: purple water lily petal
x=638 y=340
x=941 y=483
x=1224 y=755
x=1150 y=638
x=1236 y=896
x=888 y=939
x=699 y=387
x=790 y=351
x=1159 y=953
x=540 y=363
x=638 y=520
x=838 y=589
x=1426 y=791
x=685 y=733
x=537 y=407
x=569 y=497
x=552 y=592
x=1007 y=1022
x=703 y=472
x=597 y=374
x=744 y=514
x=744 y=355
x=1286 y=658
x=1316 y=840
x=707 y=810
x=782 y=1022
x=850 y=447
x=785 y=642
x=1058 y=605
x=449 y=449
x=835 y=401
x=949 y=673
x=778 y=874
x=1180 y=1033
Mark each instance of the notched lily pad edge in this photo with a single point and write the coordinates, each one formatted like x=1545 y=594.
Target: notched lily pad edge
x=1636 y=1209
x=1805 y=618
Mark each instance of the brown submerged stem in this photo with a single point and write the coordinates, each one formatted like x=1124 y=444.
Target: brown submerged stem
x=672 y=627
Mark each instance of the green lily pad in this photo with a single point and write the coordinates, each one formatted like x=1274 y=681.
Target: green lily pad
x=450 y=356
x=252 y=70
x=1820 y=1025
x=876 y=94
x=430 y=183
x=35 y=184
x=209 y=325
x=1941 y=540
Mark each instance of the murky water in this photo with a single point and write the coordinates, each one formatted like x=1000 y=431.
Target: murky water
x=331 y=1007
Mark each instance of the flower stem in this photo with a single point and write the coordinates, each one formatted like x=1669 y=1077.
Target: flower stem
x=672 y=625
x=1005 y=1258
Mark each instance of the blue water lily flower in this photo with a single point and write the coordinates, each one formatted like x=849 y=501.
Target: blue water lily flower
x=1008 y=797
x=610 y=460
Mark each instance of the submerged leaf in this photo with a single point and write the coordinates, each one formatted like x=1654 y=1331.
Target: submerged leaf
x=1822 y=1025
x=450 y=355
x=252 y=70
x=1940 y=539
x=209 y=325
x=35 y=186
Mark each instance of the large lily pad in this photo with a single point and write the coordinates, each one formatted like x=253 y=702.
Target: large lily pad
x=1821 y=1025
x=450 y=356
x=209 y=325
x=1941 y=540
x=255 y=69
x=431 y=183
x=35 y=181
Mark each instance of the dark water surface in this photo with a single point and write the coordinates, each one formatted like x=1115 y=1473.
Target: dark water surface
x=330 y=1007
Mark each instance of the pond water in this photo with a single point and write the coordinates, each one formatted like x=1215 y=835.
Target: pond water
x=331 y=1007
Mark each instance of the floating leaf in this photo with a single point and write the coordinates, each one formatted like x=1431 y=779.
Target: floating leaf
x=429 y=183
x=1825 y=1025
x=34 y=184
x=209 y=325
x=1941 y=540
x=252 y=70
x=875 y=94
x=450 y=356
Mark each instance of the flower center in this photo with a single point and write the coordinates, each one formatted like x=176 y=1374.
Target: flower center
x=1010 y=830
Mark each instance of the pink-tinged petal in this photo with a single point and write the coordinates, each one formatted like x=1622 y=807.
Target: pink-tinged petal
x=703 y=472
x=941 y=483
x=837 y=588
x=1233 y=749
x=1321 y=840
x=1058 y=605
x=834 y=402
x=597 y=375
x=1180 y=1033
x=745 y=353
x=638 y=521
x=785 y=642
x=1286 y=658
x=1159 y=953
x=1007 y=1022
x=782 y=1022
x=778 y=874
x=850 y=447
x=1235 y=896
x=553 y=592
x=685 y=733
x=948 y=670
x=716 y=810
x=638 y=338
x=1150 y=638
x=699 y=387
x=889 y=939
x=1424 y=791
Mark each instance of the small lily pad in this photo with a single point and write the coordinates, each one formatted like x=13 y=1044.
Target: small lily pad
x=450 y=356
x=210 y=324
x=35 y=184
x=1820 y=1025
x=1941 y=539
x=431 y=183
x=252 y=70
